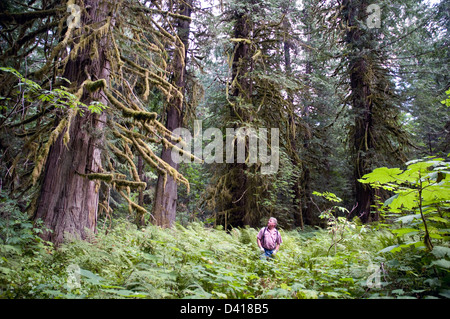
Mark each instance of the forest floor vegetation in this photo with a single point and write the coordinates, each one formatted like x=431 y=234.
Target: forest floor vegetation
x=196 y=261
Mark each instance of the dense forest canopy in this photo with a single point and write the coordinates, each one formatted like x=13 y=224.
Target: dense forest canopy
x=228 y=112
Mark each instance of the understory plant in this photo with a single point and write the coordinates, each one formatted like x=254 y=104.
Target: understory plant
x=418 y=216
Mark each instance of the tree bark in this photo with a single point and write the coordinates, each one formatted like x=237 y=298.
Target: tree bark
x=360 y=69
x=140 y=218
x=68 y=202
x=239 y=213
x=297 y=202
x=164 y=210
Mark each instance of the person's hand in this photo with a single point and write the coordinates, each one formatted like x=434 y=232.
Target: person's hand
x=262 y=249
x=275 y=252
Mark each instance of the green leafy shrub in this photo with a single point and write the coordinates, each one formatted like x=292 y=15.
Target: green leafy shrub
x=421 y=200
x=418 y=218
x=60 y=98
x=23 y=254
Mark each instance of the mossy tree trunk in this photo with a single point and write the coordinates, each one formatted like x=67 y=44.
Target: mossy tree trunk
x=360 y=69
x=238 y=212
x=364 y=75
x=68 y=202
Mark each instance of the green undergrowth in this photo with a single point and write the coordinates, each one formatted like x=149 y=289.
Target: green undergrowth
x=200 y=262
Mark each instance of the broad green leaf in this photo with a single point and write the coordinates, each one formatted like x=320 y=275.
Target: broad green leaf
x=436 y=236
x=13 y=249
x=408 y=218
x=404 y=231
x=445 y=293
x=439 y=219
x=442 y=263
x=436 y=192
x=423 y=165
x=347 y=279
x=392 y=249
x=433 y=282
x=398 y=291
x=328 y=195
x=93 y=278
x=441 y=251
x=382 y=175
x=405 y=199
x=390 y=199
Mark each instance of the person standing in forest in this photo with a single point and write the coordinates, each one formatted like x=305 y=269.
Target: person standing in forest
x=269 y=239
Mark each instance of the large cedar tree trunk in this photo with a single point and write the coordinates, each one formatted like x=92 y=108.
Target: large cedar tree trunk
x=165 y=206
x=68 y=202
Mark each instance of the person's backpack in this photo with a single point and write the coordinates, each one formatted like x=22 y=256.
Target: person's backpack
x=264 y=237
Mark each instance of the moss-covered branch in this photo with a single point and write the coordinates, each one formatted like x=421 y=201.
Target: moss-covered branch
x=22 y=17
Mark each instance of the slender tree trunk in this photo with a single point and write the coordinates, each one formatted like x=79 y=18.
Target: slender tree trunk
x=68 y=202
x=295 y=159
x=165 y=206
x=306 y=172
x=140 y=218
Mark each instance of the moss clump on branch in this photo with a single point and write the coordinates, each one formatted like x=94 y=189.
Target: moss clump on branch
x=105 y=177
x=114 y=179
x=131 y=184
x=128 y=112
x=93 y=86
x=139 y=115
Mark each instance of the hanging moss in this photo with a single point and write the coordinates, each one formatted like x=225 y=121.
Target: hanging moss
x=41 y=160
x=133 y=205
x=127 y=112
x=131 y=184
x=127 y=158
x=138 y=63
x=139 y=115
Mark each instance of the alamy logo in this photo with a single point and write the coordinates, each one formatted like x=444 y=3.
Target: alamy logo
x=374 y=17
x=73 y=21
x=374 y=280
x=251 y=146
x=73 y=278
